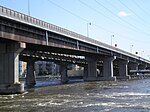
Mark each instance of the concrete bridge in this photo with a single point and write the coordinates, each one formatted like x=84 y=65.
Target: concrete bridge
x=29 y=39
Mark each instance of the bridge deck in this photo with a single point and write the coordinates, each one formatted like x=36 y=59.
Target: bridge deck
x=17 y=16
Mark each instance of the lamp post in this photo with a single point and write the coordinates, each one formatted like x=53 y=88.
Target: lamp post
x=29 y=7
x=148 y=57
x=111 y=39
x=88 y=29
x=131 y=46
x=136 y=52
x=142 y=53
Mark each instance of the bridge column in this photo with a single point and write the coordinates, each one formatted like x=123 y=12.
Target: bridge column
x=85 y=72
x=108 y=69
x=123 y=69
x=9 y=68
x=30 y=76
x=91 y=69
x=63 y=72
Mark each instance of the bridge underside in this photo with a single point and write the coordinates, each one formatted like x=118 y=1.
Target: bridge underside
x=11 y=52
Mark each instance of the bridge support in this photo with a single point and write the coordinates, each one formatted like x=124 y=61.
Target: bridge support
x=9 y=68
x=123 y=69
x=30 y=76
x=85 y=74
x=91 y=69
x=63 y=72
x=108 y=69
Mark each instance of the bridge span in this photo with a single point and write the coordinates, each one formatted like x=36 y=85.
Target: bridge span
x=26 y=38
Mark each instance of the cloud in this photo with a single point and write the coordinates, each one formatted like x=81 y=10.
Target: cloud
x=123 y=14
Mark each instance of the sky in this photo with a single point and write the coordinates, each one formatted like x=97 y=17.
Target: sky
x=122 y=22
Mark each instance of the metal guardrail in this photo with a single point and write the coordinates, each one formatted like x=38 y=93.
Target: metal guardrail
x=5 y=12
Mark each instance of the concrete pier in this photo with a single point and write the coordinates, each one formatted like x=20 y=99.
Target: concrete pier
x=91 y=68
x=108 y=69
x=9 y=68
x=63 y=72
x=30 y=76
x=123 y=69
x=85 y=72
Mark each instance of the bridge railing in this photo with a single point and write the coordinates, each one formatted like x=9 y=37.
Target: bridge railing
x=53 y=28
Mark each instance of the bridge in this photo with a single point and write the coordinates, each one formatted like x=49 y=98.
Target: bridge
x=28 y=39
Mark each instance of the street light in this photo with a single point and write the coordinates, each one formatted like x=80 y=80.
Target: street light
x=136 y=52
x=88 y=29
x=29 y=7
x=148 y=57
x=131 y=46
x=111 y=39
x=142 y=53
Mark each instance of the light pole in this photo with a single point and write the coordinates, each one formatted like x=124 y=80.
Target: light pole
x=131 y=46
x=136 y=52
x=148 y=57
x=142 y=53
x=111 y=39
x=29 y=7
x=88 y=29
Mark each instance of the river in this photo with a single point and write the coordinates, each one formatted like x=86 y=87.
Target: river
x=119 y=96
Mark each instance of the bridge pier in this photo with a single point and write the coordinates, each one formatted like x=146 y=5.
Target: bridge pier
x=123 y=69
x=30 y=76
x=91 y=69
x=90 y=72
x=85 y=73
x=9 y=68
x=63 y=72
x=108 y=69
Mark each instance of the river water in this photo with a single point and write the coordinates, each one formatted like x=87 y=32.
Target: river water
x=119 y=96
